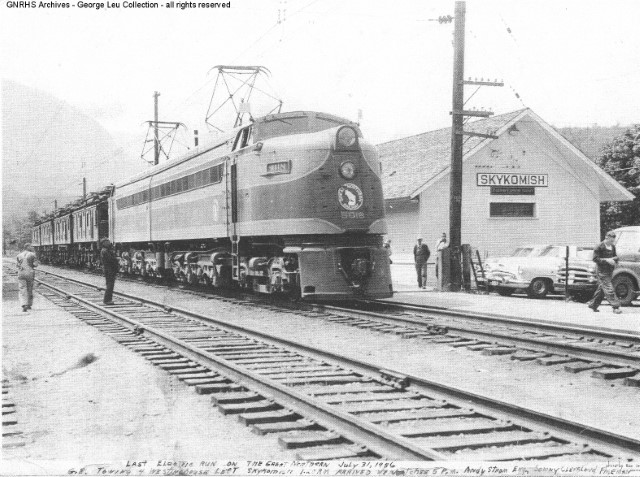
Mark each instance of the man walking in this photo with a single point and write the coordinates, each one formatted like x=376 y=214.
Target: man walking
x=421 y=254
x=606 y=259
x=26 y=263
x=110 y=266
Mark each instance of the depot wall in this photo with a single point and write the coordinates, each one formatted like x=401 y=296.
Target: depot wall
x=566 y=211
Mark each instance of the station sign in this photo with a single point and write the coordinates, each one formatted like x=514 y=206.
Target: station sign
x=513 y=190
x=513 y=180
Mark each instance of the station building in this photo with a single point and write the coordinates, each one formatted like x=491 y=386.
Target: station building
x=529 y=185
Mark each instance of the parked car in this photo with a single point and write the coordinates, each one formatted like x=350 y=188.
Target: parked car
x=582 y=281
x=536 y=274
x=496 y=262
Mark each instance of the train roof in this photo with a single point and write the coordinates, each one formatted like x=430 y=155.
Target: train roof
x=80 y=203
x=225 y=138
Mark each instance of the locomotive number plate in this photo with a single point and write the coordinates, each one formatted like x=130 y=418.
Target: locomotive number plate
x=352 y=215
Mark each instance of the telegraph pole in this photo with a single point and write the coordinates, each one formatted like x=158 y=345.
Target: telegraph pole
x=455 y=195
x=156 y=141
x=458 y=113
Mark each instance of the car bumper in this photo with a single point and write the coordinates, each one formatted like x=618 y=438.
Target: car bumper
x=575 y=287
x=505 y=282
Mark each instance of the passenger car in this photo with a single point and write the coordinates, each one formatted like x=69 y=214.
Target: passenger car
x=582 y=281
x=535 y=273
x=497 y=262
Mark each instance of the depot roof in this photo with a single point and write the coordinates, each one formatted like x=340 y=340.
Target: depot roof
x=412 y=164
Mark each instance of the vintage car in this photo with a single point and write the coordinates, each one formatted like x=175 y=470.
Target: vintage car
x=536 y=274
x=581 y=275
x=484 y=269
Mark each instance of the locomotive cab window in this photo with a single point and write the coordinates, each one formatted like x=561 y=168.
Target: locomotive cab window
x=244 y=138
x=296 y=124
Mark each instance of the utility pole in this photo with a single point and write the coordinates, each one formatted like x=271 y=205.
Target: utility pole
x=156 y=141
x=170 y=127
x=84 y=188
x=458 y=113
x=455 y=194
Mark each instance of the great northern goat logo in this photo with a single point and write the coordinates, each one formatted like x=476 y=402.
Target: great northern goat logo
x=350 y=196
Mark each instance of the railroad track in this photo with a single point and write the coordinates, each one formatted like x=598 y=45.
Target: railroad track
x=605 y=353
x=330 y=406
x=12 y=434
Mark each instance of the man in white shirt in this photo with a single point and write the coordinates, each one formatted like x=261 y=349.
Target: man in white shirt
x=440 y=244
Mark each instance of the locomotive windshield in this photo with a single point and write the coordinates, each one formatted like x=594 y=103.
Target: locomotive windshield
x=285 y=125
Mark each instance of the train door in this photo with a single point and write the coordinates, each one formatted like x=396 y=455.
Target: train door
x=241 y=140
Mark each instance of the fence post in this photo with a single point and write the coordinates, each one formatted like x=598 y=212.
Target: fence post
x=466 y=267
x=484 y=278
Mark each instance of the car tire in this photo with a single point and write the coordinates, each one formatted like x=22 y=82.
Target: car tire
x=538 y=288
x=504 y=291
x=624 y=289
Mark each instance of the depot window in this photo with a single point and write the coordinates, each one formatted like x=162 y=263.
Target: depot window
x=512 y=209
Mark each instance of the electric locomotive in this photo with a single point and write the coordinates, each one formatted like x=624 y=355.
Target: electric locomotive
x=289 y=203
x=71 y=235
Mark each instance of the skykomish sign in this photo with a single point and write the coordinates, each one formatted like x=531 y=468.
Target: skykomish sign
x=531 y=180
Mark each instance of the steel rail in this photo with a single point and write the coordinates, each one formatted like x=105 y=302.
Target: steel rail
x=614 y=357
x=376 y=439
x=533 y=323
x=577 y=431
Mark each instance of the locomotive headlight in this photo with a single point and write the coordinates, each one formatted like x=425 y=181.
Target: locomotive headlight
x=348 y=170
x=346 y=137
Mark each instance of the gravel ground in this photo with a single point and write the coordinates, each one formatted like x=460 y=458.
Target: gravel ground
x=111 y=426
x=119 y=407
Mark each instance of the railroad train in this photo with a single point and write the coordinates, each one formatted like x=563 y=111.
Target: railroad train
x=290 y=203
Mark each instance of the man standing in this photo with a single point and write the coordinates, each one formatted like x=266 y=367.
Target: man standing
x=110 y=266
x=606 y=258
x=387 y=246
x=440 y=244
x=421 y=254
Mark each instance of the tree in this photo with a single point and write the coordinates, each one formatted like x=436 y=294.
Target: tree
x=621 y=160
x=16 y=230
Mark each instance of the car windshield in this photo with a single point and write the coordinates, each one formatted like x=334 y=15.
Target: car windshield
x=528 y=251
x=585 y=254
x=550 y=252
x=522 y=252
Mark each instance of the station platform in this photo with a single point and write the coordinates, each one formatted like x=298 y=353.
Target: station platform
x=552 y=309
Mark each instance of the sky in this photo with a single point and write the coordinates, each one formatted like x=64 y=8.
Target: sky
x=575 y=63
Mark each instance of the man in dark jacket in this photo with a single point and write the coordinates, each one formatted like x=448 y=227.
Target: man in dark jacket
x=110 y=266
x=421 y=254
x=606 y=258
